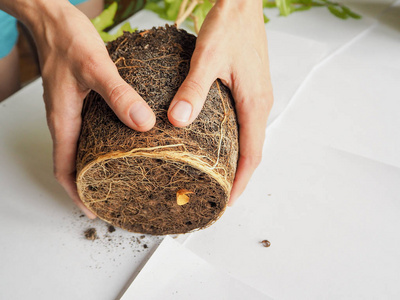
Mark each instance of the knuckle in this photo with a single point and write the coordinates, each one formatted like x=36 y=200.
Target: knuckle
x=91 y=65
x=46 y=72
x=91 y=69
x=205 y=52
x=116 y=94
x=48 y=67
x=261 y=103
x=192 y=86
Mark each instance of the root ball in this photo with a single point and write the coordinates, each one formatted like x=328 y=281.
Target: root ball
x=132 y=179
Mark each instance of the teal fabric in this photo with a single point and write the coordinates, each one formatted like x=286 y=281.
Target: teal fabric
x=9 y=32
x=76 y=2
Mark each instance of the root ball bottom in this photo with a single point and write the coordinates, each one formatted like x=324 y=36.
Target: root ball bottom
x=132 y=179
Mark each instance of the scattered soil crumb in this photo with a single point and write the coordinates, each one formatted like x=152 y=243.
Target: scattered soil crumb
x=265 y=243
x=111 y=228
x=145 y=246
x=91 y=234
x=142 y=236
x=138 y=241
x=81 y=216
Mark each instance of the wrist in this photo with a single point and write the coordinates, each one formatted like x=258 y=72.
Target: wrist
x=44 y=15
x=34 y=13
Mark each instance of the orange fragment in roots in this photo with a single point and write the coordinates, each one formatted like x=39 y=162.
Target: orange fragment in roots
x=143 y=33
x=182 y=197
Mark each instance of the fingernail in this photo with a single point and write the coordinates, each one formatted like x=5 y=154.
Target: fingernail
x=139 y=113
x=182 y=111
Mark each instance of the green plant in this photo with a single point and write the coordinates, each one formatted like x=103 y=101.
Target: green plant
x=196 y=10
x=106 y=19
x=286 y=7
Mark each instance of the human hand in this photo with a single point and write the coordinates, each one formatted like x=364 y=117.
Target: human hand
x=73 y=61
x=231 y=46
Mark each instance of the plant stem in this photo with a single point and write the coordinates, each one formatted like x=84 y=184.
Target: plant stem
x=187 y=12
x=195 y=22
x=182 y=8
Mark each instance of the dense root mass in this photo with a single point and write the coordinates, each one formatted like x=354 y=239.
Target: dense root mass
x=131 y=179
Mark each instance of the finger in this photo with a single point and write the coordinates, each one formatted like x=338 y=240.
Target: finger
x=189 y=100
x=65 y=128
x=252 y=118
x=68 y=182
x=127 y=104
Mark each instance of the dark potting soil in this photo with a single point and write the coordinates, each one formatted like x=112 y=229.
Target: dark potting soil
x=90 y=234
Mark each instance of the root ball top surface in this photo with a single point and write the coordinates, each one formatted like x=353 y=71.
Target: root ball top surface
x=168 y=180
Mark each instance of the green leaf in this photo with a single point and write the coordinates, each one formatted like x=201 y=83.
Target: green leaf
x=158 y=7
x=269 y=4
x=154 y=7
x=350 y=13
x=125 y=27
x=106 y=18
x=172 y=8
x=107 y=37
x=337 y=12
x=202 y=10
x=302 y=8
x=317 y=3
x=168 y=9
x=285 y=7
x=305 y=2
x=266 y=20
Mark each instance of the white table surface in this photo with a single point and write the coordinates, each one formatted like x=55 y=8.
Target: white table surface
x=327 y=194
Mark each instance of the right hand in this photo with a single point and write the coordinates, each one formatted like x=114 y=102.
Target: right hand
x=73 y=61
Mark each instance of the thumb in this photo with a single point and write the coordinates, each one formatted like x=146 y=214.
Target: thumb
x=191 y=95
x=127 y=104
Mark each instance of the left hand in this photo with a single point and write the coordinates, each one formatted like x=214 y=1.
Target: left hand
x=231 y=46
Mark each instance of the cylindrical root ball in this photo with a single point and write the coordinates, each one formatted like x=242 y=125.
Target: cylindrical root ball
x=168 y=180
